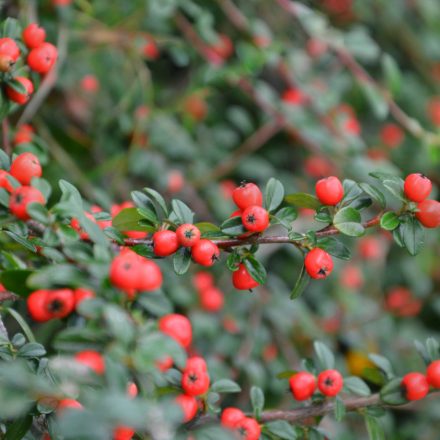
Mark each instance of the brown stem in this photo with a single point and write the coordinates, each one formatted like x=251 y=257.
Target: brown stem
x=235 y=15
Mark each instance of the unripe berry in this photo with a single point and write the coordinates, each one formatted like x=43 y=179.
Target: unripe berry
x=255 y=218
x=188 y=405
x=242 y=280
x=92 y=359
x=33 y=36
x=188 y=235
x=21 y=197
x=195 y=382
x=205 y=252
x=415 y=386
x=318 y=263
x=4 y=181
x=25 y=167
x=20 y=97
x=42 y=58
x=417 y=187
x=247 y=194
x=329 y=191
x=330 y=382
x=177 y=327
x=231 y=416
x=302 y=385
x=428 y=213
x=165 y=243
x=433 y=374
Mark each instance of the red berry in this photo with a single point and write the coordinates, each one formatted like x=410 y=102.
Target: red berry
x=176 y=181
x=293 y=97
x=23 y=135
x=36 y=304
x=392 y=135
x=330 y=382
x=195 y=106
x=149 y=276
x=124 y=270
x=211 y=299
x=91 y=359
x=33 y=36
x=89 y=83
x=196 y=363
x=203 y=280
x=434 y=111
x=9 y=53
x=82 y=294
x=247 y=194
x=4 y=181
x=329 y=190
x=433 y=374
x=428 y=213
x=164 y=364
x=44 y=305
x=68 y=403
x=165 y=243
x=20 y=97
x=205 y=252
x=150 y=49
x=319 y=264
x=189 y=406
x=302 y=385
x=242 y=280
x=370 y=248
x=177 y=327
x=21 y=197
x=255 y=218
x=223 y=47
x=317 y=166
x=188 y=235
x=123 y=433
x=195 y=381
x=417 y=187
x=401 y=302
x=415 y=386
x=25 y=167
x=351 y=277
x=248 y=429
x=42 y=58
x=231 y=416
x=132 y=390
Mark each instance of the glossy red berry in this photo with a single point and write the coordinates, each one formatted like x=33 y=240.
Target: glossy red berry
x=330 y=382
x=205 y=252
x=211 y=299
x=188 y=235
x=42 y=58
x=433 y=374
x=415 y=386
x=82 y=294
x=329 y=190
x=247 y=194
x=4 y=181
x=91 y=359
x=33 y=35
x=196 y=363
x=428 y=213
x=195 y=381
x=24 y=167
x=149 y=276
x=36 y=304
x=231 y=416
x=124 y=270
x=9 y=53
x=242 y=280
x=123 y=433
x=177 y=327
x=20 y=97
x=188 y=405
x=255 y=218
x=21 y=197
x=417 y=187
x=302 y=385
x=68 y=403
x=318 y=263
x=248 y=429
x=165 y=243
x=44 y=305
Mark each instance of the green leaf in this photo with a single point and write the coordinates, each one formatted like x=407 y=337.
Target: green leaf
x=11 y=28
x=323 y=216
x=128 y=220
x=334 y=247
x=56 y=275
x=374 y=428
x=23 y=241
x=383 y=363
x=144 y=250
x=233 y=261
x=233 y=226
x=325 y=357
x=339 y=409
x=18 y=429
x=413 y=235
x=282 y=429
x=389 y=221
x=285 y=216
x=273 y=194
x=433 y=348
x=31 y=350
x=257 y=400
x=5 y=161
x=22 y=323
x=377 y=102
x=182 y=260
x=155 y=303
x=38 y=212
x=374 y=193
x=70 y=192
x=225 y=386
x=256 y=270
x=303 y=200
x=158 y=202
x=182 y=212
x=351 y=191
x=356 y=386
x=347 y=220
x=148 y=214
x=392 y=394
x=114 y=235
x=301 y=283
x=391 y=73
x=16 y=281
x=207 y=227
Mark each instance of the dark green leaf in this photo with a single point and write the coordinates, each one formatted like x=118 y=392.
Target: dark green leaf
x=347 y=220
x=148 y=214
x=225 y=386
x=339 y=410
x=413 y=235
x=334 y=247
x=16 y=281
x=18 y=429
x=374 y=428
x=392 y=394
x=155 y=303
x=301 y=283
x=325 y=357
x=303 y=200
x=182 y=212
x=158 y=202
x=389 y=221
x=182 y=260
x=22 y=240
x=233 y=226
x=144 y=250
x=273 y=194
x=257 y=400
x=374 y=193
x=351 y=191
x=383 y=363
x=256 y=270
x=282 y=429
x=356 y=386
x=128 y=220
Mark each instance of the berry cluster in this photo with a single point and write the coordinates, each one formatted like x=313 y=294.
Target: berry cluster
x=245 y=428
x=211 y=297
x=416 y=385
x=303 y=384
